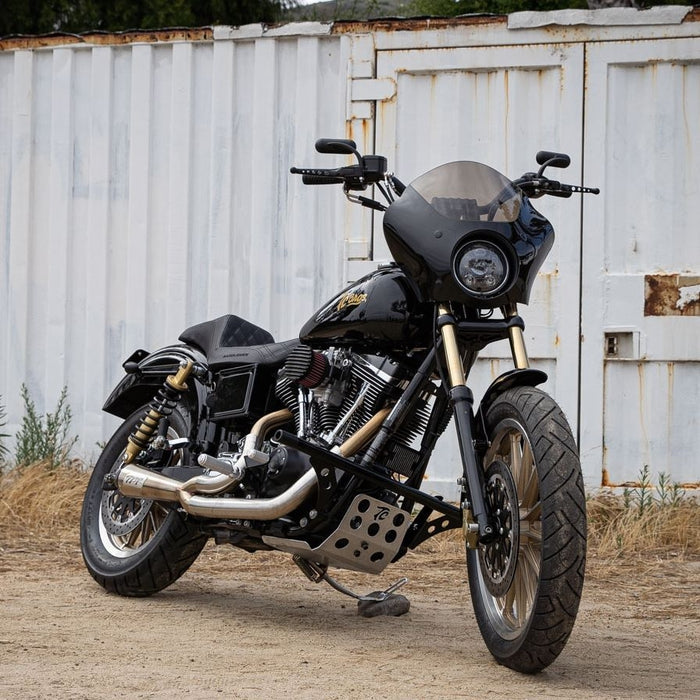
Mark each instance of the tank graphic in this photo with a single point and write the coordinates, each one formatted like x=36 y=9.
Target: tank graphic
x=380 y=310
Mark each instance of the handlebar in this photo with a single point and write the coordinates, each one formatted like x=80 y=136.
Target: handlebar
x=319 y=176
x=372 y=170
x=368 y=171
x=535 y=186
x=321 y=180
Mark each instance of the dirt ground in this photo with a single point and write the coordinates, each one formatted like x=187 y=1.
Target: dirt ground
x=251 y=626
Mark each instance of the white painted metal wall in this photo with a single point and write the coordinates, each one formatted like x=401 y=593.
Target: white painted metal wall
x=144 y=187
x=641 y=358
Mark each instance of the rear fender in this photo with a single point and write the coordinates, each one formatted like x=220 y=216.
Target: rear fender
x=145 y=374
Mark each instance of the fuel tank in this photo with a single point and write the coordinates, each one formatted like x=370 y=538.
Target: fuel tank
x=382 y=310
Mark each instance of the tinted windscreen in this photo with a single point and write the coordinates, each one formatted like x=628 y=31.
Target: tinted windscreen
x=469 y=191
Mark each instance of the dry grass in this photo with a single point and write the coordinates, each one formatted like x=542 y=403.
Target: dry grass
x=40 y=504
x=622 y=535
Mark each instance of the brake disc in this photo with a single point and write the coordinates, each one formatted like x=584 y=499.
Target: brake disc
x=121 y=514
x=499 y=556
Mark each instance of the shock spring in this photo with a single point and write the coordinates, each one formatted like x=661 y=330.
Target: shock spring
x=162 y=405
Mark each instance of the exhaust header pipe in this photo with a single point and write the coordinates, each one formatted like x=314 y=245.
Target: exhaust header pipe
x=137 y=482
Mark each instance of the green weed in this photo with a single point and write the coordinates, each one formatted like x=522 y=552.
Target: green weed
x=44 y=438
x=3 y=447
x=646 y=518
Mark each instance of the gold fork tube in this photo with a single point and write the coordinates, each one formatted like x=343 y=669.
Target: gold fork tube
x=517 y=341
x=454 y=361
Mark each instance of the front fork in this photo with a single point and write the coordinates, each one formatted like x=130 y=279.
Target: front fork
x=462 y=402
x=517 y=342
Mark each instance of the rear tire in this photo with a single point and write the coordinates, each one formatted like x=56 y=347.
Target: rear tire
x=526 y=586
x=135 y=547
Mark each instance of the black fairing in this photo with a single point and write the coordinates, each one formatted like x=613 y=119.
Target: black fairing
x=424 y=243
x=382 y=310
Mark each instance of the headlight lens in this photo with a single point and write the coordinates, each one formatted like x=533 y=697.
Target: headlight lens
x=482 y=268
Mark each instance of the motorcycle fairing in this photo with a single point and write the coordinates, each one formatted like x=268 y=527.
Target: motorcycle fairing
x=425 y=235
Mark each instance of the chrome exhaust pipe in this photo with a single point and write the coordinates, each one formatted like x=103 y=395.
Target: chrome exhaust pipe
x=254 y=508
x=137 y=482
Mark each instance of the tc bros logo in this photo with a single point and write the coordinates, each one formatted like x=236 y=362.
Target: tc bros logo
x=351 y=299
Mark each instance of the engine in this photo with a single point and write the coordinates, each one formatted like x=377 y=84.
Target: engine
x=332 y=394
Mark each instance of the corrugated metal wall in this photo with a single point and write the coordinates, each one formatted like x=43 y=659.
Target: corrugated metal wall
x=144 y=187
x=644 y=363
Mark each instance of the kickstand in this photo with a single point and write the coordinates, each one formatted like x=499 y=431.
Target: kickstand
x=384 y=602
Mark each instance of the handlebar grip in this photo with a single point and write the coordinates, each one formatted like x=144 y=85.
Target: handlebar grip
x=321 y=180
x=318 y=172
x=580 y=188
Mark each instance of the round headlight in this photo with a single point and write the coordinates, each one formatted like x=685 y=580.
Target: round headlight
x=482 y=268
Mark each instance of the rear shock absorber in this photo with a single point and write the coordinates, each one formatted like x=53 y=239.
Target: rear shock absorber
x=162 y=405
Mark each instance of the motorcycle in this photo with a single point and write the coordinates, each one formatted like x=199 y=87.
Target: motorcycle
x=317 y=446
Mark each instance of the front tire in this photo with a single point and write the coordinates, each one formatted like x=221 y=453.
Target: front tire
x=131 y=546
x=526 y=585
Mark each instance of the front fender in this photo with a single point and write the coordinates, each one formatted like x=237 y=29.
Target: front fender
x=515 y=377
x=145 y=375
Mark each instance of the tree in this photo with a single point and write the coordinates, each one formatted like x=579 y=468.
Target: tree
x=42 y=16
x=451 y=8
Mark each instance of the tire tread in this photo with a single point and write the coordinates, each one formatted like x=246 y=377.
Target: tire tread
x=564 y=534
x=173 y=549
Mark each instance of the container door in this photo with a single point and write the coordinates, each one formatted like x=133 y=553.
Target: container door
x=497 y=105
x=641 y=261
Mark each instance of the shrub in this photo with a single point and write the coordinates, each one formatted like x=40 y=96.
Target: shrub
x=645 y=519
x=3 y=447
x=44 y=438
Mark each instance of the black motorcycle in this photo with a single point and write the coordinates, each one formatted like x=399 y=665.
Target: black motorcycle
x=317 y=446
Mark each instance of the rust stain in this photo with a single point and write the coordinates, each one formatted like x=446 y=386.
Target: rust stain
x=671 y=295
x=413 y=24
x=155 y=36
x=106 y=38
x=366 y=132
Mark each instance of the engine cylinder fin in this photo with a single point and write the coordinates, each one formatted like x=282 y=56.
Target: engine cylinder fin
x=331 y=382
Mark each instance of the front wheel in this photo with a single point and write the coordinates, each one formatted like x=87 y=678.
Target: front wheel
x=526 y=584
x=132 y=546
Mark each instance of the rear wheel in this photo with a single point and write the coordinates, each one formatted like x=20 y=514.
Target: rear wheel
x=132 y=546
x=526 y=584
